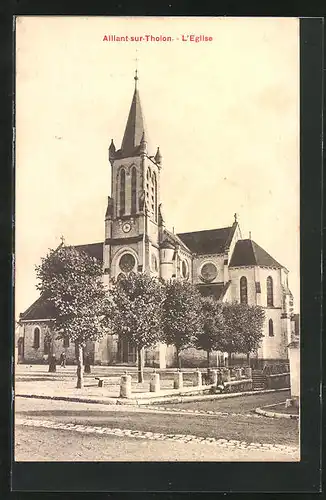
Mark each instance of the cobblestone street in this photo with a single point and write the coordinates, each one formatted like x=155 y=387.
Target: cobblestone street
x=49 y=444
x=101 y=432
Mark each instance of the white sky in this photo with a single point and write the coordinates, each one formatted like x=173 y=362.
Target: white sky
x=224 y=113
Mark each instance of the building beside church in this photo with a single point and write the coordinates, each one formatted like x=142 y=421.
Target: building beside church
x=219 y=261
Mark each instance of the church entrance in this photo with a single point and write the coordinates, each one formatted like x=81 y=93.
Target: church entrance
x=127 y=353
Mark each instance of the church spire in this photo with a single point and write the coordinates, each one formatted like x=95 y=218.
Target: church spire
x=136 y=78
x=135 y=124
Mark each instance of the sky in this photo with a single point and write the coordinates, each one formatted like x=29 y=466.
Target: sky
x=224 y=112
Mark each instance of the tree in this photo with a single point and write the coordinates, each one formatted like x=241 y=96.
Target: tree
x=243 y=328
x=181 y=316
x=234 y=318
x=135 y=312
x=211 y=334
x=71 y=281
x=252 y=329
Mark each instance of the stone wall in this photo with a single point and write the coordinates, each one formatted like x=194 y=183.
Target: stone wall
x=34 y=354
x=279 y=381
x=273 y=347
x=275 y=274
x=201 y=260
x=235 y=274
x=238 y=386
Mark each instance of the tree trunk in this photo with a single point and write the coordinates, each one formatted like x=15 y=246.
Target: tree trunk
x=178 y=358
x=208 y=361
x=52 y=360
x=229 y=358
x=79 y=360
x=248 y=358
x=52 y=364
x=140 y=365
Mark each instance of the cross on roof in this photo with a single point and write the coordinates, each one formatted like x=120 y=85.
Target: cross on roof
x=136 y=71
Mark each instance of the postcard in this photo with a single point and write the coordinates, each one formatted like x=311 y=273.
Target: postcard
x=157 y=280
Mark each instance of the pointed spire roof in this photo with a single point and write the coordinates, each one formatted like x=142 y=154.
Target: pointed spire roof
x=249 y=253
x=158 y=156
x=135 y=125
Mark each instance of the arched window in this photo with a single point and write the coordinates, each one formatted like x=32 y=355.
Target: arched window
x=243 y=290
x=155 y=196
x=36 y=343
x=269 y=286
x=270 y=328
x=122 y=191
x=133 y=190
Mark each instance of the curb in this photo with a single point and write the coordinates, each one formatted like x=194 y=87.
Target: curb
x=271 y=414
x=197 y=413
x=185 y=399
x=150 y=401
x=68 y=398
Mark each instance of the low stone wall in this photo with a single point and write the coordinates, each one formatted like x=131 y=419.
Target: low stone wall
x=238 y=386
x=278 y=381
x=261 y=363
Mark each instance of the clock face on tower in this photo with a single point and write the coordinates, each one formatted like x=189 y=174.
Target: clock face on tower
x=126 y=227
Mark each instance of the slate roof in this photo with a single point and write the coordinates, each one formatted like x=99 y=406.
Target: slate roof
x=210 y=241
x=42 y=308
x=166 y=244
x=173 y=239
x=213 y=290
x=134 y=129
x=248 y=253
x=94 y=250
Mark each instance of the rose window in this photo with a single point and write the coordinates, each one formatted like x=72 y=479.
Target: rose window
x=208 y=272
x=127 y=262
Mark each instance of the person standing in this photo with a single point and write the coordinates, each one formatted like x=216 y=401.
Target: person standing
x=63 y=359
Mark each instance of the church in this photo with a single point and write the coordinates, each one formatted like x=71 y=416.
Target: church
x=218 y=261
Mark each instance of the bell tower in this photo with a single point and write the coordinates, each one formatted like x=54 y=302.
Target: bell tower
x=132 y=216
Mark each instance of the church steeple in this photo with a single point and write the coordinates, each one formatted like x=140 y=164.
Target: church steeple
x=133 y=221
x=135 y=125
